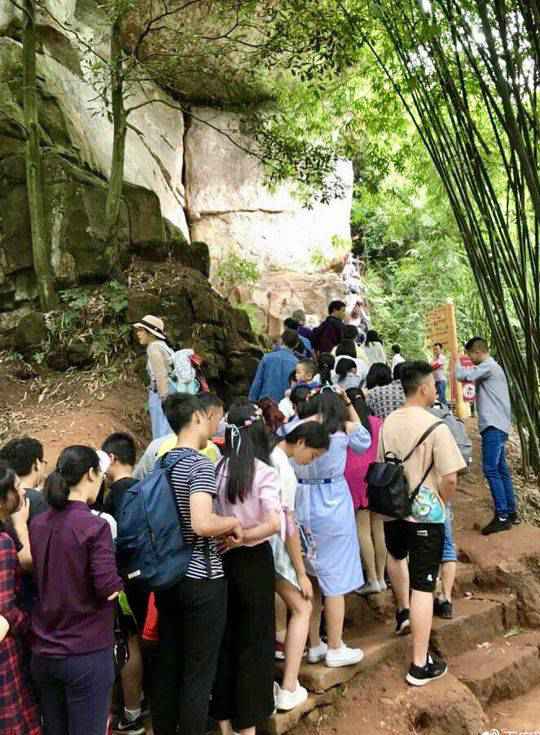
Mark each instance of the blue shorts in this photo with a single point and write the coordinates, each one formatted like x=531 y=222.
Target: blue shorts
x=449 y=547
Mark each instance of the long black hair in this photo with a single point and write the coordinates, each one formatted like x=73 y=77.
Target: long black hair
x=344 y=367
x=299 y=394
x=246 y=439
x=314 y=434
x=72 y=466
x=8 y=480
x=326 y=365
x=329 y=406
x=360 y=406
x=372 y=336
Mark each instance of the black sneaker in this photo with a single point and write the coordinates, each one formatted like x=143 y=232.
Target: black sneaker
x=403 y=622
x=419 y=676
x=126 y=727
x=514 y=518
x=496 y=525
x=442 y=609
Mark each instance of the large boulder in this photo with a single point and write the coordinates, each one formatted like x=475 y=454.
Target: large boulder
x=197 y=317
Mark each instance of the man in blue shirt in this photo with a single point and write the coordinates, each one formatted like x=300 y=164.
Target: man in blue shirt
x=272 y=376
x=494 y=423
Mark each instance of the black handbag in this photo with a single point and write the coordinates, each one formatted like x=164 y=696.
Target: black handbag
x=389 y=493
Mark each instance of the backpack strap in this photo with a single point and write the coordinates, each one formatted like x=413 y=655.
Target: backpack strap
x=206 y=544
x=422 y=439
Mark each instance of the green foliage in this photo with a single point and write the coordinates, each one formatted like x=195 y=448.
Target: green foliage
x=94 y=316
x=233 y=271
x=414 y=256
x=254 y=315
x=319 y=260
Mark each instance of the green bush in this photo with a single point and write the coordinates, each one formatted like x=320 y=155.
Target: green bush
x=233 y=271
x=96 y=316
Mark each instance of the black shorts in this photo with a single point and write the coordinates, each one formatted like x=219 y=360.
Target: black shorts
x=423 y=542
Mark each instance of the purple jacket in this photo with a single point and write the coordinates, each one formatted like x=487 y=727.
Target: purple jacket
x=75 y=572
x=327 y=335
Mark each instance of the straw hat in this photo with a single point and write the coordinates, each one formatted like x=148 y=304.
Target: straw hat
x=152 y=324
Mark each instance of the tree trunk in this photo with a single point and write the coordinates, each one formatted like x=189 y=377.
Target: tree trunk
x=34 y=170
x=114 y=193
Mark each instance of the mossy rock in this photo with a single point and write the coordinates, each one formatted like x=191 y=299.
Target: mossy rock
x=30 y=333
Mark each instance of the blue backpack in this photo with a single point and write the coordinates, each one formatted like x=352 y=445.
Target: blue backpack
x=150 y=539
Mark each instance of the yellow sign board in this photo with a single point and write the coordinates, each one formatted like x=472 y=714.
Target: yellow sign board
x=441 y=327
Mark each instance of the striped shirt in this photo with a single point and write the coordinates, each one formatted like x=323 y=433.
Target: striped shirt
x=196 y=474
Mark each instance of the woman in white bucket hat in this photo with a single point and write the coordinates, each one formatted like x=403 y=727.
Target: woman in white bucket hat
x=150 y=332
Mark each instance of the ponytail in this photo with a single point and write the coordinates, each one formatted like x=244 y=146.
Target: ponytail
x=73 y=464
x=56 y=490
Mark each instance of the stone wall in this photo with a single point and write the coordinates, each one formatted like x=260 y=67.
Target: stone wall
x=201 y=185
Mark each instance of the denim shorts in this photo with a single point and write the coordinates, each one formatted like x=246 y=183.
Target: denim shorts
x=449 y=547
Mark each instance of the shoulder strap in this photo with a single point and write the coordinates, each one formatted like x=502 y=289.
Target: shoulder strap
x=423 y=438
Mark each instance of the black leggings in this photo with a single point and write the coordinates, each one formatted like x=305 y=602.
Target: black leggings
x=244 y=685
x=191 y=625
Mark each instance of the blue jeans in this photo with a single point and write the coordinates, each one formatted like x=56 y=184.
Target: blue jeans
x=160 y=425
x=440 y=385
x=449 y=548
x=497 y=472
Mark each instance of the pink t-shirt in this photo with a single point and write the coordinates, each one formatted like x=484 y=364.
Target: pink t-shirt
x=358 y=465
x=265 y=497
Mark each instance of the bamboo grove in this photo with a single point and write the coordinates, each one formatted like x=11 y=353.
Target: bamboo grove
x=468 y=75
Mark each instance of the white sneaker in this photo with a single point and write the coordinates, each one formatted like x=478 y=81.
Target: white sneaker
x=286 y=700
x=369 y=588
x=343 y=656
x=317 y=654
x=383 y=585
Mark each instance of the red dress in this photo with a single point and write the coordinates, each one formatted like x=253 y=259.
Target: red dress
x=18 y=710
x=358 y=465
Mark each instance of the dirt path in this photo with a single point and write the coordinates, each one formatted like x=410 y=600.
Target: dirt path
x=75 y=408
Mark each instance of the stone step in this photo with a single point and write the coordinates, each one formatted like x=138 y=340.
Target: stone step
x=521 y=715
x=378 y=647
x=375 y=608
x=282 y=722
x=504 y=669
x=476 y=620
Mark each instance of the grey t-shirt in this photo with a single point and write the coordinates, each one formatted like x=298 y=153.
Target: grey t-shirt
x=492 y=394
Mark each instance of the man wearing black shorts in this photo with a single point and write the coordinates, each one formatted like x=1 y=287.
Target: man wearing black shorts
x=433 y=467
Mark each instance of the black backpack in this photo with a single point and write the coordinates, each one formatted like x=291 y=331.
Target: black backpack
x=388 y=488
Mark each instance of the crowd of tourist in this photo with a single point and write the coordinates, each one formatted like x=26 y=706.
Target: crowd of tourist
x=275 y=507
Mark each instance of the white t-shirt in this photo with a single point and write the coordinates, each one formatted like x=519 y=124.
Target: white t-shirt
x=286 y=407
x=397 y=360
x=287 y=478
x=375 y=353
x=439 y=363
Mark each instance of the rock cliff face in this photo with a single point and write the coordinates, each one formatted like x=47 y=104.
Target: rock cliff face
x=228 y=205
x=183 y=171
